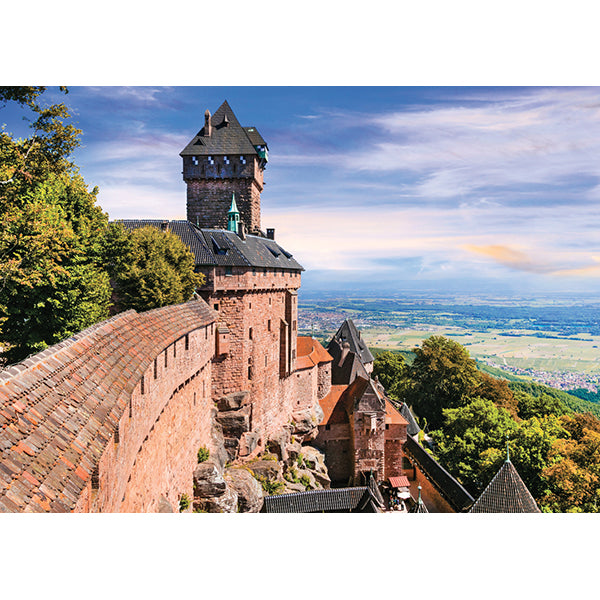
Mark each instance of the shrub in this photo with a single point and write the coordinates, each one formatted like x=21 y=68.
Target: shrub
x=203 y=454
x=184 y=502
x=305 y=481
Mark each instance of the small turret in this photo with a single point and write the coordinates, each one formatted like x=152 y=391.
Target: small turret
x=233 y=216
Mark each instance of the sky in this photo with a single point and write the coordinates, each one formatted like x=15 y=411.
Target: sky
x=482 y=190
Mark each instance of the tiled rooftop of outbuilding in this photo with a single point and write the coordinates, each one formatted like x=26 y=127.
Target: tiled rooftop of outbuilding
x=60 y=407
x=310 y=352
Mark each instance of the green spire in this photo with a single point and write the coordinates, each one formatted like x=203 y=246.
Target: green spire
x=507 y=450
x=233 y=216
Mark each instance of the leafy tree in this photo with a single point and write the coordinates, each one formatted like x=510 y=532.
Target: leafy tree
x=52 y=280
x=441 y=376
x=52 y=283
x=472 y=443
x=573 y=471
x=498 y=392
x=149 y=268
x=544 y=404
x=390 y=369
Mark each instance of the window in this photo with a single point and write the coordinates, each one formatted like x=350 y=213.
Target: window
x=228 y=271
x=175 y=350
x=216 y=307
x=187 y=342
x=269 y=325
x=155 y=368
x=166 y=359
x=250 y=333
x=249 y=305
x=327 y=427
x=142 y=390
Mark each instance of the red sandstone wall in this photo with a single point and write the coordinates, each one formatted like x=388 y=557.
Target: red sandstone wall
x=433 y=500
x=336 y=444
x=395 y=436
x=253 y=363
x=158 y=443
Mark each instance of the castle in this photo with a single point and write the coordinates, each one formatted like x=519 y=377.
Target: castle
x=113 y=418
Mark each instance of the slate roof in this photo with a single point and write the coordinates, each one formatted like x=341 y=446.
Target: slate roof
x=349 y=333
x=59 y=408
x=506 y=493
x=413 y=427
x=218 y=247
x=355 y=499
x=448 y=486
x=230 y=138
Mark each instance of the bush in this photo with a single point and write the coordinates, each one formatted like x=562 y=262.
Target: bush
x=184 y=502
x=203 y=454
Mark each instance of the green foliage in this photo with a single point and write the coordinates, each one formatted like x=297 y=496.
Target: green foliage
x=390 y=368
x=203 y=454
x=52 y=280
x=291 y=475
x=305 y=481
x=184 y=502
x=472 y=441
x=149 y=268
x=271 y=486
x=441 y=376
x=300 y=461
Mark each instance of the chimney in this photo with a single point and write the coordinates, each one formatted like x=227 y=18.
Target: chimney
x=271 y=234
x=241 y=230
x=207 y=124
x=345 y=351
x=164 y=226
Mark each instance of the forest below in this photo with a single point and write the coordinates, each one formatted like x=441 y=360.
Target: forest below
x=473 y=418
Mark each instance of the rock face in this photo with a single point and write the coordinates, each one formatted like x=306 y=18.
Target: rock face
x=249 y=491
x=208 y=480
x=225 y=503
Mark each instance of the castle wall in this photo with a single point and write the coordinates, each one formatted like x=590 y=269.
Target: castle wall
x=335 y=441
x=395 y=436
x=160 y=432
x=254 y=304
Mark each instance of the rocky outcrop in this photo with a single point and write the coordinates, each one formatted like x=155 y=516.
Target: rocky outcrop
x=248 y=489
x=306 y=422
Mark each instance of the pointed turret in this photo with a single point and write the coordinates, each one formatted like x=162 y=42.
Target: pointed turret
x=233 y=216
x=419 y=506
x=506 y=493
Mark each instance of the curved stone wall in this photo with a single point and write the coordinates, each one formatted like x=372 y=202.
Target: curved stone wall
x=110 y=419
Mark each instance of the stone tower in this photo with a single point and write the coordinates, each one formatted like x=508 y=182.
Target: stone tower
x=224 y=158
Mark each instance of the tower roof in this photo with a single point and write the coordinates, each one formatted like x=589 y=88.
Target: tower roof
x=227 y=136
x=349 y=333
x=506 y=493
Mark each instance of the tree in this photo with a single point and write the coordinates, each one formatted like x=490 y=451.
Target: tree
x=472 y=442
x=498 y=392
x=390 y=369
x=442 y=376
x=149 y=268
x=52 y=283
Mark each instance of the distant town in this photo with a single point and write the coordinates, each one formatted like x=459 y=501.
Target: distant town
x=556 y=344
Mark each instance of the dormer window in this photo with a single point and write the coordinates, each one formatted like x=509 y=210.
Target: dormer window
x=211 y=160
x=195 y=160
x=242 y=160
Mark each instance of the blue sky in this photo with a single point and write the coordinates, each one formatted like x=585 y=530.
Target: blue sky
x=476 y=189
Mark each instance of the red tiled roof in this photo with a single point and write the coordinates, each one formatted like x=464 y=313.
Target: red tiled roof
x=392 y=415
x=310 y=353
x=400 y=481
x=59 y=408
x=333 y=410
